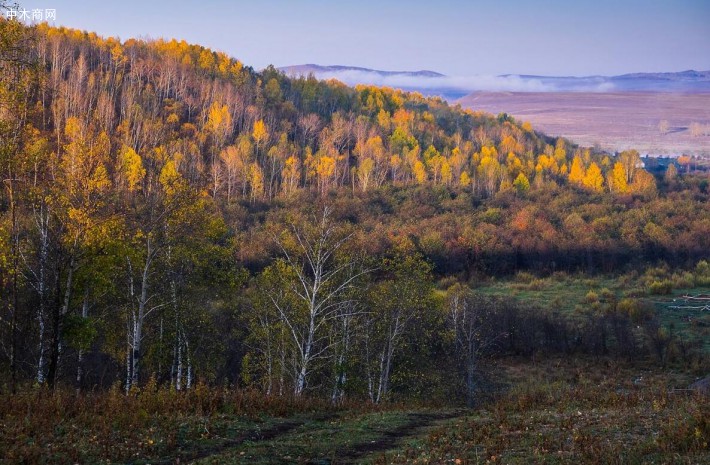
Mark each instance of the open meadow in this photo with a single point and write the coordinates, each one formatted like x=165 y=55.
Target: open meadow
x=612 y=121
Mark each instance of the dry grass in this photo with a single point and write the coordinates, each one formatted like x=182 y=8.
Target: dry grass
x=615 y=121
x=572 y=411
x=37 y=426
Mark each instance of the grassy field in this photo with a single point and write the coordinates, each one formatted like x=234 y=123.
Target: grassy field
x=615 y=121
x=166 y=427
x=573 y=295
x=560 y=410
x=350 y=437
x=572 y=411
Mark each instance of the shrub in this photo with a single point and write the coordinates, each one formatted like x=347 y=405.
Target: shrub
x=702 y=274
x=607 y=294
x=536 y=285
x=636 y=311
x=524 y=277
x=661 y=287
x=446 y=282
x=656 y=273
x=683 y=280
x=560 y=276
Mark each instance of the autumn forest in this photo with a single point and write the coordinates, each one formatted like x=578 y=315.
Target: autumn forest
x=172 y=219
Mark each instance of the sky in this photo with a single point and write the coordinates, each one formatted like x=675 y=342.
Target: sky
x=457 y=38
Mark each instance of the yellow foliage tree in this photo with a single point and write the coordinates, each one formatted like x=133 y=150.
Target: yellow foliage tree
x=514 y=164
x=83 y=171
x=364 y=173
x=616 y=179
x=374 y=150
x=547 y=164
x=219 y=121
x=325 y=169
x=464 y=179
x=256 y=181
x=521 y=183
x=446 y=174
x=223 y=63
x=419 y=172
x=403 y=119
x=593 y=179
x=384 y=120
x=291 y=174
x=206 y=60
x=170 y=178
x=510 y=144
x=260 y=133
x=488 y=151
x=458 y=160
x=489 y=172
x=671 y=173
x=644 y=183
x=576 y=172
x=560 y=153
x=132 y=168
x=235 y=160
x=684 y=160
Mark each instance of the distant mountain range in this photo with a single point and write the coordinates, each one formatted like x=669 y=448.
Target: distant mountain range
x=684 y=81
x=454 y=87
x=305 y=70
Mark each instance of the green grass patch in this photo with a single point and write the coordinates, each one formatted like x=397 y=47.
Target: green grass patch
x=325 y=441
x=567 y=411
x=573 y=295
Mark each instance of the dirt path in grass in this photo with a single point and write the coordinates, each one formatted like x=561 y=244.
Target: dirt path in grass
x=415 y=426
x=266 y=434
x=393 y=438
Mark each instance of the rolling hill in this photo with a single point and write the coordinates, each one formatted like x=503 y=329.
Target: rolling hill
x=455 y=87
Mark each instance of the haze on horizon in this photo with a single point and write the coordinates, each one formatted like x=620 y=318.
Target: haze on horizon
x=457 y=38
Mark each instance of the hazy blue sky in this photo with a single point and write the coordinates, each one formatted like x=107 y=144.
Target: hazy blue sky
x=553 y=37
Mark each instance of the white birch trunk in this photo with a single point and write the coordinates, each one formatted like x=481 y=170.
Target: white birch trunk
x=43 y=227
x=80 y=358
x=190 y=374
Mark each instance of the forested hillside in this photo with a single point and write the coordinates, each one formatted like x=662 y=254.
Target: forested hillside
x=168 y=213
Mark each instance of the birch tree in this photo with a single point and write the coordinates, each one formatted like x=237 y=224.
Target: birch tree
x=77 y=214
x=18 y=79
x=311 y=287
x=394 y=302
x=150 y=243
x=172 y=234
x=469 y=318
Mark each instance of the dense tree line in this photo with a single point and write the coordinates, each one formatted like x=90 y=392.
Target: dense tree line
x=169 y=212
